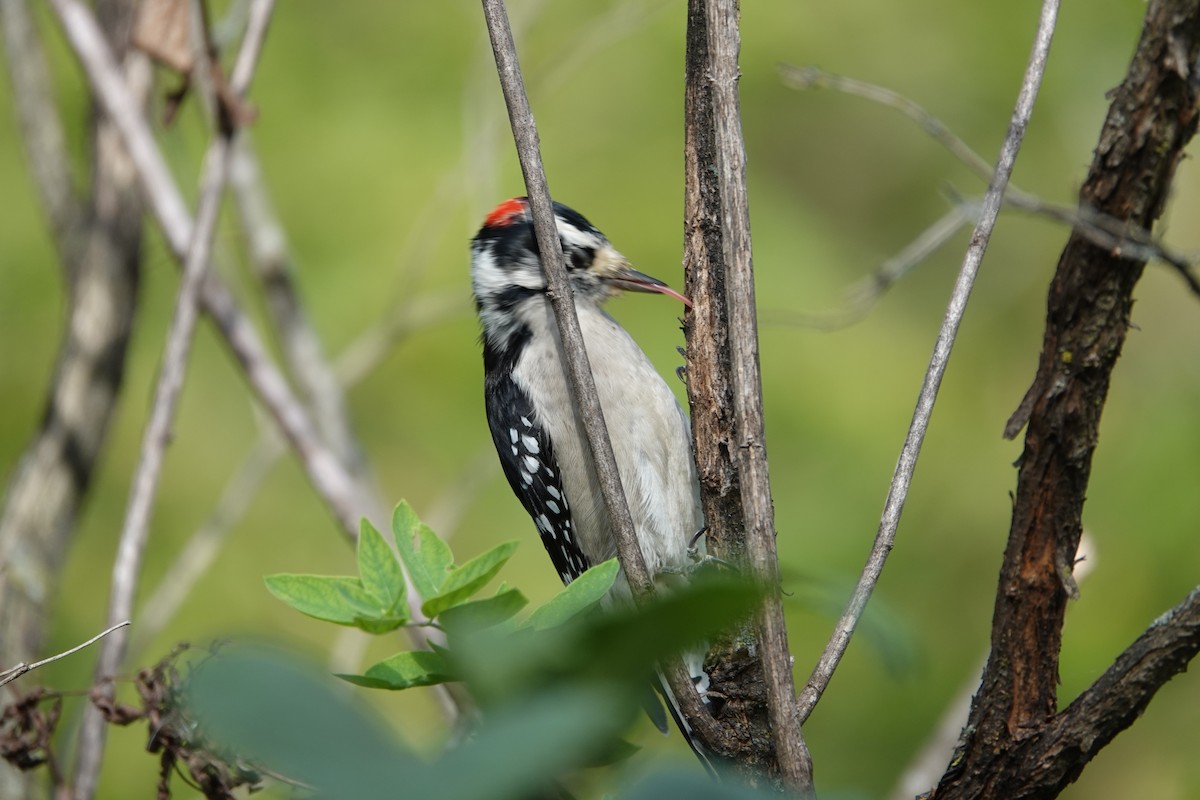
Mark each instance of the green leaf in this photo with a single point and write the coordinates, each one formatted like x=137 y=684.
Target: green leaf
x=380 y=572
x=427 y=557
x=518 y=746
x=477 y=614
x=334 y=598
x=580 y=595
x=404 y=671
x=290 y=717
x=468 y=579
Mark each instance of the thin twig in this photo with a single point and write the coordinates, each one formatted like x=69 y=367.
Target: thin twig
x=559 y=292
x=864 y=294
x=200 y=551
x=898 y=491
x=301 y=347
x=327 y=476
x=135 y=531
x=88 y=43
x=258 y=22
x=1102 y=229
x=12 y=673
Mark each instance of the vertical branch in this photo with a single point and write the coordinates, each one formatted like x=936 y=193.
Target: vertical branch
x=1152 y=117
x=721 y=18
x=97 y=235
x=579 y=370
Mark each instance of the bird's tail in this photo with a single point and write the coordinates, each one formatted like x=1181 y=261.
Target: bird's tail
x=695 y=664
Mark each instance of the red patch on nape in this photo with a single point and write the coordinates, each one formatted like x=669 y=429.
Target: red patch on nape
x=507 y=213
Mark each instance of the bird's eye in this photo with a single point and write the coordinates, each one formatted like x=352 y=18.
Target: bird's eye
x=578 y=258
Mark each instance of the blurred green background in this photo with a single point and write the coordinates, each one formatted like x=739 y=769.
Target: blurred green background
x=384 y=141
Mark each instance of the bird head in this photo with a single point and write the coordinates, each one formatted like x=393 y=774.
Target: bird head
x=506 y=265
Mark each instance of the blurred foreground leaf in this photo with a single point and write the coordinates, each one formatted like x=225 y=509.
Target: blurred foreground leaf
x=293 y=720
x=485 y=613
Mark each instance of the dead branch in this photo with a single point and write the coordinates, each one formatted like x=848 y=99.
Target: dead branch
x=1152 y=117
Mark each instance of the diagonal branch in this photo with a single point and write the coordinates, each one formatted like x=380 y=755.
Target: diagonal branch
x=12 y=673
x=1057 y=756
x=583 y=385
x=136 y=528
x=1043 y=763
x=331 y=481
x=898 y=491
x=1103 y=230
x=579 y=370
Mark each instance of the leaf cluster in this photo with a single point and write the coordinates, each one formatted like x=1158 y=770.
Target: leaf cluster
x=556 y=687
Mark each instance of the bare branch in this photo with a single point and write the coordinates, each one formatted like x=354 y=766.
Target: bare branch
x=331 y=481
x=97 y=233
x=252 y=45
x=724 y=42
x=203 y=546
x=41 y=126
x=135 y=531
x=902 y=478
x=579 y=370
x=1152 y=117
x=12 y=673
x=200 y=551
x=1102 y=229
x=301 y=347
x=561 y=298
x=88 y=43
x=1113 y=702
x=864 y=294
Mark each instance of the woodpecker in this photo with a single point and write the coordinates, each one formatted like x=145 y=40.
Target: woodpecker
x=532 y=417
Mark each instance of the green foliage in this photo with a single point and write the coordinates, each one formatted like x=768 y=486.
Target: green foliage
x=375 y=601
x=476 y=614
x=427 y=557
x=556 y=688
x=580 y=595
x=278 y=712
x=405 y=671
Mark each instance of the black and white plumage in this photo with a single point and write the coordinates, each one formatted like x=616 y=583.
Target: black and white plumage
x=531 y=413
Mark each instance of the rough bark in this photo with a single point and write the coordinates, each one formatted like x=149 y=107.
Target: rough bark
x=758 y=713
x=1152 y=117
x=98 y=238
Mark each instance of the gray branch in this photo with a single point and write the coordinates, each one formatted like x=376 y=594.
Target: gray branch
x=898 y=491
x=579 y=370
x=583 y=385
x=724 y=42
x=136 y=529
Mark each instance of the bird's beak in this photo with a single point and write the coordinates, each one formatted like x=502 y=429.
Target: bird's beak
x=620 y=275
